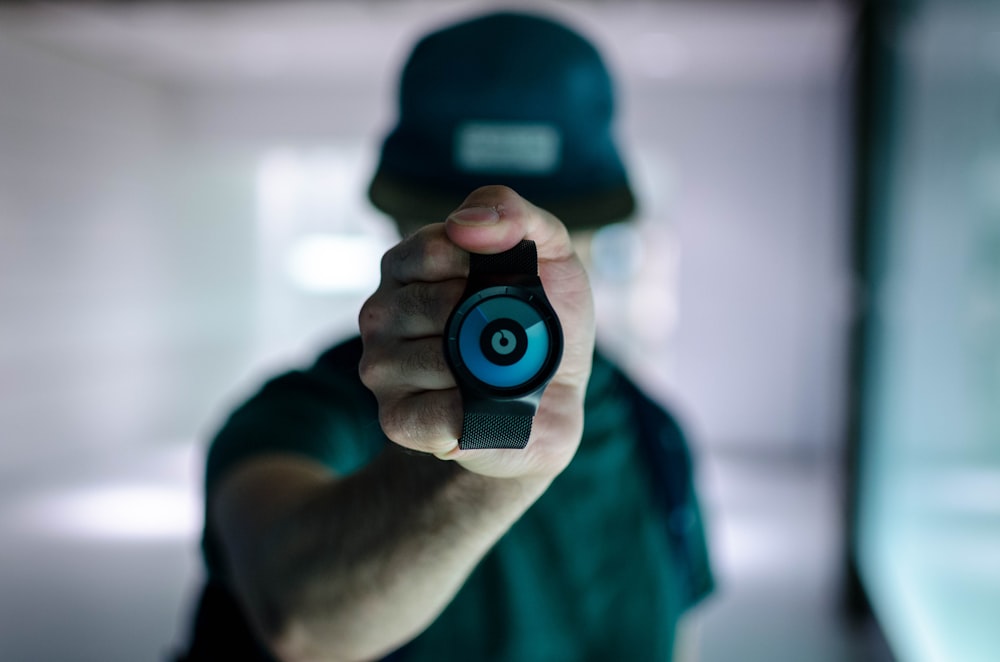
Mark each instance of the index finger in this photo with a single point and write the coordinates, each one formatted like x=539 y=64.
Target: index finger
x=427 y=255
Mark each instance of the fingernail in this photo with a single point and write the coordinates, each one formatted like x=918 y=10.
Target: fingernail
x=476 y=216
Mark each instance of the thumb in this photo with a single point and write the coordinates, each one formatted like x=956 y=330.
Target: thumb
x=495 y=218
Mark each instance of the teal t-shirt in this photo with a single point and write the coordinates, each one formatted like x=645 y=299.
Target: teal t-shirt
x=587 y=573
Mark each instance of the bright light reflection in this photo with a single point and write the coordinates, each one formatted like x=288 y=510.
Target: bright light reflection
x=329 y=263
x=315 y=228
x=751 y=547
x=118 y=512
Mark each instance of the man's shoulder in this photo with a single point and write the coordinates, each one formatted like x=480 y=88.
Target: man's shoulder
x=328 y=385
x=608 y=377
x=334 y=371
x=342 y=357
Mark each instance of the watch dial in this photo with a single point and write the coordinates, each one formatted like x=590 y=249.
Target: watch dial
x=504 y=342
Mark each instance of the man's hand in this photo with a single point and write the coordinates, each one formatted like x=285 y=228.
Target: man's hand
x=402 y=324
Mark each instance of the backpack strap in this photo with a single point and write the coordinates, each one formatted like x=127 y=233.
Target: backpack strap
x=671 y=473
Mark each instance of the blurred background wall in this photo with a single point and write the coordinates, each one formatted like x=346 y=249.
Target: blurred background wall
x=182 y=213
x=183 y=153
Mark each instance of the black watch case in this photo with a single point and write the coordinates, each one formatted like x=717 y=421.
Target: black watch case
x=479 y=320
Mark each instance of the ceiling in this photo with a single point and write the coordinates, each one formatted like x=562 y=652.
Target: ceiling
x=305 y=41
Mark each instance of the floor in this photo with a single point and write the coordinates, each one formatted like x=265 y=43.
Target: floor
x=777 y=548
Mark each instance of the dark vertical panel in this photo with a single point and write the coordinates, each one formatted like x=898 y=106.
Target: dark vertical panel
x=874 y=77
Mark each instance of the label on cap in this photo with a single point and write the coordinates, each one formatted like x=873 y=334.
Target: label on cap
x=506 y=147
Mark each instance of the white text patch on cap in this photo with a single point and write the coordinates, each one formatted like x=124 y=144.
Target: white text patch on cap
x=513 y=148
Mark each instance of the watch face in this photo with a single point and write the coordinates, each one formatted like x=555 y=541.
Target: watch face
x=507 y=338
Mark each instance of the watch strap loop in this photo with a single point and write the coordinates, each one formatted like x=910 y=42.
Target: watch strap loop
x=520 y=260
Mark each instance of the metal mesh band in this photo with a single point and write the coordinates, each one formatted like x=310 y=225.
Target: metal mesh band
x=494 y=431
x=520 y=260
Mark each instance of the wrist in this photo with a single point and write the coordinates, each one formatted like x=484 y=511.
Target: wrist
x=462 y=488
x=468 y=483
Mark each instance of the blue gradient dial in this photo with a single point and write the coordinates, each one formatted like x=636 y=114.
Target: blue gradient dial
x=504 y=342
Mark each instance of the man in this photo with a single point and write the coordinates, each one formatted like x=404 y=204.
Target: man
x=344 y=520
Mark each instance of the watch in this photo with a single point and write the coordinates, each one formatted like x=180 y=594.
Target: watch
x=503 y=342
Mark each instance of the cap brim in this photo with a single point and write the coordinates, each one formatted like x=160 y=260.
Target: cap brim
x=403 y=199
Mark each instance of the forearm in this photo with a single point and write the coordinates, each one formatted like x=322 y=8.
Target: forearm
x=370 y=560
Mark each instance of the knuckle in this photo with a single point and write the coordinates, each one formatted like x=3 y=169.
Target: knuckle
x=418 y=256
x=393 y=421
x=366 y=371
x=387 y=421
x=391 y=257
x=435 y=250
x=436 y=254
x=415 y=424
x=373 y=372
x=431 y=302
x=373 y=315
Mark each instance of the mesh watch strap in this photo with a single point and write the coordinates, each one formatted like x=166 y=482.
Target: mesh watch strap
x=494 y=431
x=482 y=430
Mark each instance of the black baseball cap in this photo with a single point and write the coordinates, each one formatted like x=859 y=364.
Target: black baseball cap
x=506 y=98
